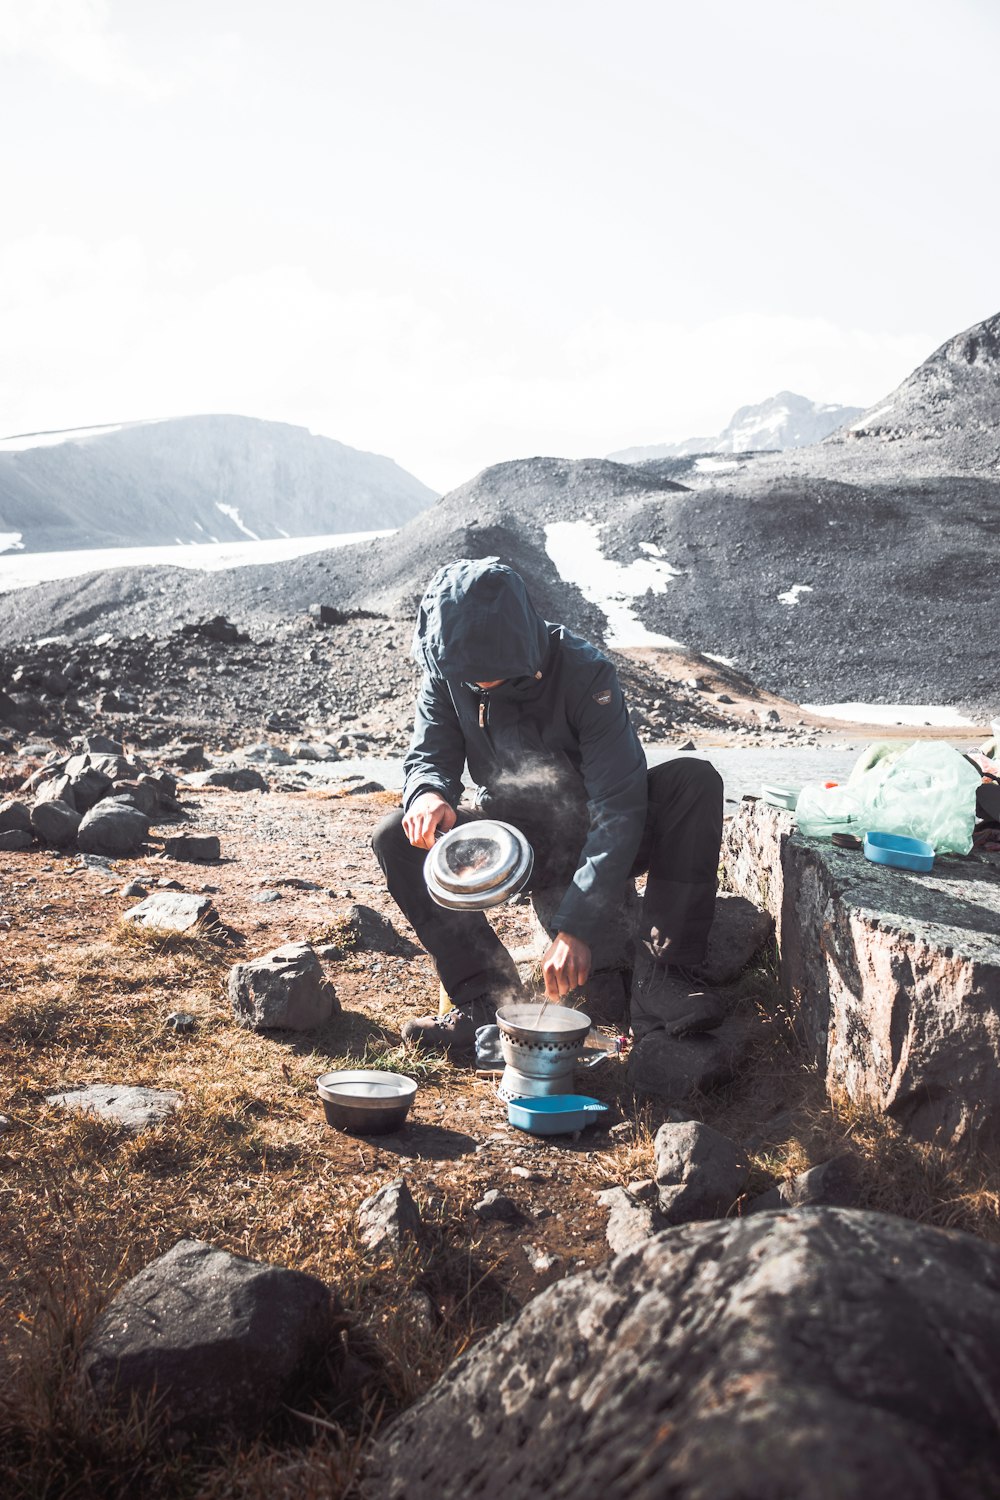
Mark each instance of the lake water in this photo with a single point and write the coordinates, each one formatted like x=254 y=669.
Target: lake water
x=19 y=570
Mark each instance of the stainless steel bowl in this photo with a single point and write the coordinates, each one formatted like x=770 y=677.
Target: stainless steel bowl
x=477 y=865
x=366 y=1101
x=541 y=1040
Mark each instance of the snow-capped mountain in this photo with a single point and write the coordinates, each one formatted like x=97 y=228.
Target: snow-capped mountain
x=193 y=479
x=782 y=421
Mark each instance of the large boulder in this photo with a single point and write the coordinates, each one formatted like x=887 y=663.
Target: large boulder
x=672 y=1068
x=233 y=778
x=823 y=1353
x=55 y=821
x=112 y=829
x=892 y=977
x=172 y=911
x=285 y=989
x=211 y=1337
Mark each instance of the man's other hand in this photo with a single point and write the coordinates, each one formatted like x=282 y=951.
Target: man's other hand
x=565 y=965
x=427 y=813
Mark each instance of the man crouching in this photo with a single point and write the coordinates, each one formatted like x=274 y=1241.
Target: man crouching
x=538 y=716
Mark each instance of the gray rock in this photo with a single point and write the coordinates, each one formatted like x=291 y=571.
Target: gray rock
x=193 y=847
x=6 y=1124
x=235 y=779
x=367 y=929
x=55 y=822
x=88 y=786
x=827 y=1353
x=699 y=1172
x=181 y=1021
x=723 y=698
x=630 y=1223
x=893 y=977
x=216 y=1339
x=172 y=911
x=267 y=755
x=13 y=839
x=56 y=789
x=496 y=1207
x=833 y=1183
x=673 y=1068
x=739 y=931
x=112 y=830
x=133 y=1107
x=15 y=817
x=138 y=794
x=389 y=1220
x=134 y=888
x=285 y=989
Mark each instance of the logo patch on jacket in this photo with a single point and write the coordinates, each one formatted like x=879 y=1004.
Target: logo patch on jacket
x=603 y=697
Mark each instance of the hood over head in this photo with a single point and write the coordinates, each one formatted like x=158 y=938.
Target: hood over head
x=476 y=623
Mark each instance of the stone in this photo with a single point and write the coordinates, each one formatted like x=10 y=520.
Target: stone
x=112 y=830
x=496 y=1207
x=700 y=1173
x=366 y=929
x=218 y=628
x=233 y=778
x=14 y=839
x=389 y=1220
x=138 y=794
x=828 y=1354
x=768 y=716
x=15 y=817
x=723 y=698
x=739 y=930
x=267 y=754
x=100 y=744
x=88 y=787
x=134 y=888
x=56 y=789
x=6 y=1124
x=892 y=978
x=285 y=989
x=216 y=1339
x=326 y=614
x=832 y=1183
x=672 y=1068
x=133 y=1107
x=181 y=1021
x=193 y=847
x=55 y=822
x=630 y=1223
x=172 y=911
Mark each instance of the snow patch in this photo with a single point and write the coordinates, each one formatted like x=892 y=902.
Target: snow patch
x=714 y=465
x=651 y=548
x=27 y=568
x=935 y=715
x=236 y=518
x=10 y=541
x=575 y=549
x=724 y=661
x=871 y=416
x=792 y=594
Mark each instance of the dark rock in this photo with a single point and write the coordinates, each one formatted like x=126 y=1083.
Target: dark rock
x=112 y=829
x=283 y=990
x=368 y=930
x=739 y=931
x=14 y=839
x=218 y=628
x=15 y=816
x=672 y=1068
x=137 y=794
x=55 y=823
x=134 y=888
x=56 y=789
x=213 y=1338
x=191 y=758
x=326 y=614
x=826 y=1353
x=89 y=785
x=363 y=788
x=100 y=744
x=234 y=778
x=495 y=1206
x=193 y=847
x=389 y=1219
x=833 y=1184
x=700 y=1173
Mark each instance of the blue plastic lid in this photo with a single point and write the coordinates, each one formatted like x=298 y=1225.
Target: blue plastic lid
x=559 y=1104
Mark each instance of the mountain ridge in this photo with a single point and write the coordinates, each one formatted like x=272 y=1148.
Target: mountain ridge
x=784 y=420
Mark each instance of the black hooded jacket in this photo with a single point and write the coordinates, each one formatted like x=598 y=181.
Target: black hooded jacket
x=557 y=725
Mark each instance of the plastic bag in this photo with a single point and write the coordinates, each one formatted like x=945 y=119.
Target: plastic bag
x=928 y=792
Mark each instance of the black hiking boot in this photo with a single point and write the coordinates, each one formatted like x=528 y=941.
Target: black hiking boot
x=674 y=998
x=454 y=1032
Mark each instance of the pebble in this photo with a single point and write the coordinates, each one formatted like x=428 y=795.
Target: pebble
x=181 y=1021
x=540 y=1260
x=496 y=1207
x=134 y=888
x=266 y=896
x=526 y=1174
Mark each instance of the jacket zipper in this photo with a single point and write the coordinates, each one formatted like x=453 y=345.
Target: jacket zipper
x=484 y=723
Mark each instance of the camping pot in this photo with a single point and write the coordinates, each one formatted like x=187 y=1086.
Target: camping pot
x=540 y=1044
x=478 y=864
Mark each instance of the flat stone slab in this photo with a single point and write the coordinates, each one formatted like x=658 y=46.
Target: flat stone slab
x=171 y=911
x=893 y=977
x=132 y=1106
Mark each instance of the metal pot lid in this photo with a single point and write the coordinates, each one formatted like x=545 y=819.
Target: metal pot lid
x=478 y=864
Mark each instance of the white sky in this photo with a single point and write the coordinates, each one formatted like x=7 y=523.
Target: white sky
x=458 y=231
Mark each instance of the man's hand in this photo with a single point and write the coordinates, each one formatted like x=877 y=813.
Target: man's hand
x=427 y=813
x=565 y=965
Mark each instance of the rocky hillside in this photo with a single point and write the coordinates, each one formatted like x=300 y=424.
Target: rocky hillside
x=782 y=421
x=194 y=479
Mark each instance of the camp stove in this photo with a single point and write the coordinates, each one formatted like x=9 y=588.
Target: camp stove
x=541 y=1044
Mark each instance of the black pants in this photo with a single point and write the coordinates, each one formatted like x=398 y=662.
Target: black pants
x=679 y=849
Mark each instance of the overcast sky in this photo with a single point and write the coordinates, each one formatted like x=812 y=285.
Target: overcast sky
x=459 y=231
